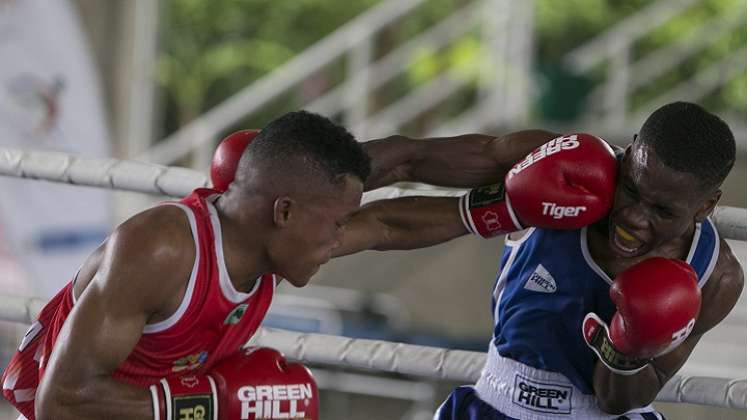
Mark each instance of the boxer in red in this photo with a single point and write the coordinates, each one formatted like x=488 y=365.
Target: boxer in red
x=152 y=324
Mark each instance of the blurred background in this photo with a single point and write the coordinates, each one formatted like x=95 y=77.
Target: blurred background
x=163 y=81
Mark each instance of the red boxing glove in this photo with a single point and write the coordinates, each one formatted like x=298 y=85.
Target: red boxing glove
x=227 y=156
x=254 y=384
x=567 y=183
x=657 y=303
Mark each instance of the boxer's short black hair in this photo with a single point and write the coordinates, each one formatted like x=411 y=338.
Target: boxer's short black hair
x=687 y=138
x=315 y=141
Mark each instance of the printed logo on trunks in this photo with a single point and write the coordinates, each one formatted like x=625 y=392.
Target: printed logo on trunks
x=194 y=407
x=542 y=397
x=541 y=281
x=550 y=148
x=274 y=401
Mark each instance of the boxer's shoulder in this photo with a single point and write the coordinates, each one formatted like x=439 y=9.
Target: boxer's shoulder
x=722 y=290
x=162 y=229
x=727 y=262
x=153 y=253
x=156 y=241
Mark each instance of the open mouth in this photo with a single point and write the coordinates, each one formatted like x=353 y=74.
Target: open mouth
x=626 y=241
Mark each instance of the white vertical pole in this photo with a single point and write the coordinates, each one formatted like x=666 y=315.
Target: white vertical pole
x=519 y=62
x=357 y=98
x=136 y=92
x=144 y=40
x=494 y=68
x=616 y=97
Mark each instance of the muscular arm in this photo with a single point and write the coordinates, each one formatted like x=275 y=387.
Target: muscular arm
x=417 y=222
x=137 y=275
x=468 y=160
x=402 y=223
x=618 y=393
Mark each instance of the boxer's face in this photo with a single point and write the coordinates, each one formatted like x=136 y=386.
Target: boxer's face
x=654 y=204
x=314 y=230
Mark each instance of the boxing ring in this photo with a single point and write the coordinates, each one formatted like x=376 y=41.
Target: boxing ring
x=382 y=356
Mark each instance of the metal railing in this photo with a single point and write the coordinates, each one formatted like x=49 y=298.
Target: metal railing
x=504 y=78
x=346 y=39
x=625 y=75
x=505 y=25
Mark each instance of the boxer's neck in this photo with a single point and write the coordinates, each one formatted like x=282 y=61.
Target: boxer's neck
x=244 y=239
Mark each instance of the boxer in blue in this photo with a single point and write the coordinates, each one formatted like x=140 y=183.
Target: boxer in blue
x=594 y=309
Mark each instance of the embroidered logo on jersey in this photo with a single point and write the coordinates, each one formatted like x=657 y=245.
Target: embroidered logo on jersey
x=274 y=401
x=235 y=316
x=543 y=397
x=541 y=281
x=190 y=362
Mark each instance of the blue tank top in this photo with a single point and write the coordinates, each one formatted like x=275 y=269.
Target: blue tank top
x=548 y=282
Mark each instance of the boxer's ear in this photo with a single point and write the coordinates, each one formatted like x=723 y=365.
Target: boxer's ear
x=282 y=210
x=707 y=207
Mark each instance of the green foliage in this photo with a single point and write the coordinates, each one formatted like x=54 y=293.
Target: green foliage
x=213 y=48
x=462 y=60
x=716 y=12
x=565 y=25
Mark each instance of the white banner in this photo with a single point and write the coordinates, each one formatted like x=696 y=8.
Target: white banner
x=49 y=99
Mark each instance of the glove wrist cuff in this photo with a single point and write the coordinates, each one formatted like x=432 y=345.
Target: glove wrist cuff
x=596 y=336
x=195 y=394
x=487 y=211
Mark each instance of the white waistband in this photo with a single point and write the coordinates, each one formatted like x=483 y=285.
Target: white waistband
x=521 y=391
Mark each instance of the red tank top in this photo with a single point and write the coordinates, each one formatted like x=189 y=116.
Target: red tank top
x=213 y=320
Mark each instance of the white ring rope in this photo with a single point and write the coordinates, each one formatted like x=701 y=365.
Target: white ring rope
x=178 y=182
x=408 y=359
x=463 y=366
x=422 y=361
x=426 y=362
x=95 y=172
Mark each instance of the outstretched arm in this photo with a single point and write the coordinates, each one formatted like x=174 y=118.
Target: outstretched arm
x=468 y=160
x=402 y=223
